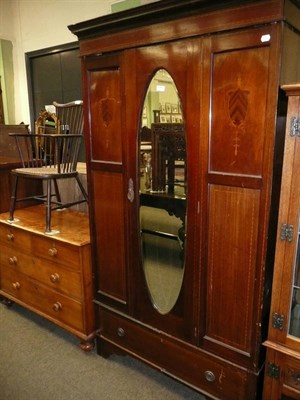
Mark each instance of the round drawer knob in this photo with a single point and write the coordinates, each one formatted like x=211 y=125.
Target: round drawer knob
x=121 y=332
x=209 y=376
x=10 y=236
x=13 y=260
x=57 y=306
x=52 y=252
x=16 y=285
x=54 y=278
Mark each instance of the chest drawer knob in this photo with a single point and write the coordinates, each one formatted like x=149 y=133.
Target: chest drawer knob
x=10 y=237
x=57 y=306
x=121 y=332
x=210 y=376
x=13 y=260
x=16 y=285
x=54 y=278
x=52 y=252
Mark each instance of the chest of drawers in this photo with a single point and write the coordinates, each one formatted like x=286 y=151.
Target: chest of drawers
x=50 y=275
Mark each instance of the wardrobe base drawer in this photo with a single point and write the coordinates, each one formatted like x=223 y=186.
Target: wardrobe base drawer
x=199 y=369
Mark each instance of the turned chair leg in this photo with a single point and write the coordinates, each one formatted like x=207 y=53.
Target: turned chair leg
x=13 y=199
x=48 y=207
x=83 y=191
x=57 y=194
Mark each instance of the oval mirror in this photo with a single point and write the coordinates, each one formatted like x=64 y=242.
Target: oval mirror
x=163 y=190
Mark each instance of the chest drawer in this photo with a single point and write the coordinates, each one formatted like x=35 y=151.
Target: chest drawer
x=50 y=302
x=53 y=275
x=57 y=251
x=15 y=238
x=223 y=380
x=10 y=256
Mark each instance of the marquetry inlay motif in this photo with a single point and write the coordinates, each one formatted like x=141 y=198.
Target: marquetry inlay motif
x=107 y=106
x=237 y=108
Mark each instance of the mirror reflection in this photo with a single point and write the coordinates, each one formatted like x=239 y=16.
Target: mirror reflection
x=163 y=191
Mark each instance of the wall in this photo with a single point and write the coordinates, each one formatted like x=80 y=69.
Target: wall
x=36 y=24
x=7 y=80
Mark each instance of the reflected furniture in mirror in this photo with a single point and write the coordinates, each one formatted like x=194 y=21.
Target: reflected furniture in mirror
x=168 y=147
x=162 y=190
x=192 y=303
x=47 y=157
x=9 y=159
x=282 y=369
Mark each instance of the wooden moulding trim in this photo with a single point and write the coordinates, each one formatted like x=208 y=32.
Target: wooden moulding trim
x=154 y=22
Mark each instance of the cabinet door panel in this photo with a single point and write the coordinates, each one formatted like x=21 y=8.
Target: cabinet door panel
x=232 y=227
x=286 y=386
x=283 y=345
x=110 y=233
x=240 y=82
x=240 y=77
x=285 y=296
x=181 y=60
x=104 y=77
x=241 y=132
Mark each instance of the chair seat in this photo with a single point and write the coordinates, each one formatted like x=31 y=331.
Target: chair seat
x=44 y=172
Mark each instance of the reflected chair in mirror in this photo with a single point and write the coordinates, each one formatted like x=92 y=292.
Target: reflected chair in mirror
x=168 y=158
x=48 y=157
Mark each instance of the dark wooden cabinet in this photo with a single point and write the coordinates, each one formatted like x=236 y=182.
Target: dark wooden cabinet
x=227 y=61
x=283 y=349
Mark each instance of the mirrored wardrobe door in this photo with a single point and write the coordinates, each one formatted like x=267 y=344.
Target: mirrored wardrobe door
x=164 y=285
x=162 y=191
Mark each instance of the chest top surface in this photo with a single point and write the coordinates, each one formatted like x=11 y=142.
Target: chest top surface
x=73 y=226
